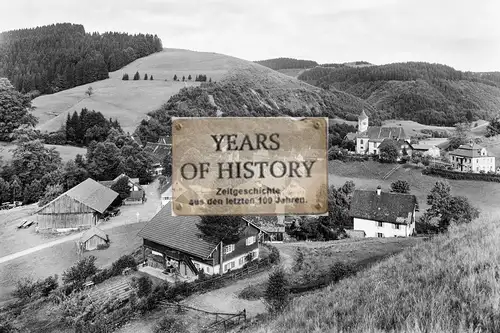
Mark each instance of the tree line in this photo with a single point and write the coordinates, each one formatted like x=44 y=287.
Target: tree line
x=137 y=76
x=198 y=78
x=61 y=56
x=88 y=126
x=287 y=63
x=36 y=172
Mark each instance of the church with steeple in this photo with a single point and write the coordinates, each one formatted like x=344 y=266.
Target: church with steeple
x=369 y=139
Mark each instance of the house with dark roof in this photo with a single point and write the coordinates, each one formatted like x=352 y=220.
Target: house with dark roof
x=383 y=214
x=177 y=246
x=472 y=158
x=165 y=193
x=273 y=227
x=137 y=193
x=427 y=150
x=79 y=207
x=368 y=139
x=136 y=138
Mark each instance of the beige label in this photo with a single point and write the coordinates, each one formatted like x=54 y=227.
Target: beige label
x=249 y=166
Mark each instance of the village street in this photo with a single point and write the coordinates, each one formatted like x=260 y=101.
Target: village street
x=132 y=213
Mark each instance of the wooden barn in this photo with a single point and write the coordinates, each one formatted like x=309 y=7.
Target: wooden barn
x=79 y=207
x=92 y=238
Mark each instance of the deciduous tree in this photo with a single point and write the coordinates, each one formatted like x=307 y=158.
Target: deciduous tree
x=277 y=294
x=122 y=187
x=221 y=228
x=400 y=186
x=389 y=152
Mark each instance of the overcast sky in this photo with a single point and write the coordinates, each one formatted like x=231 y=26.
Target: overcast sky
x=464 y=34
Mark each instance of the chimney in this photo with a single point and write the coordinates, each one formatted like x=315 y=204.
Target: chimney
x=379 y=190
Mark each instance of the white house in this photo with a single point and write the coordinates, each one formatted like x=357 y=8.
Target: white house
x=427 y=150
x=472 y=158
x=166 y=193
x=383 y=214
x=368 y=139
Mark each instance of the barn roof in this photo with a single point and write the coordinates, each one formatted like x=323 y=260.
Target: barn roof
x=91 y=194
x=158 y=151
x=268 y=223
x=397 y=133
x=383 y=207
x=93 y=231
x=177 y=232
x=469 y=150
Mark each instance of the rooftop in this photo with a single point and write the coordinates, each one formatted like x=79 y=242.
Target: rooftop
x=470 y=150
x=93 y=231
x=384 y=207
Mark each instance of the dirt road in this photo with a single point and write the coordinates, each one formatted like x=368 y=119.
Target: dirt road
x=129 y=214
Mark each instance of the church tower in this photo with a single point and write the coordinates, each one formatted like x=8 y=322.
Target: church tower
x=362 y=122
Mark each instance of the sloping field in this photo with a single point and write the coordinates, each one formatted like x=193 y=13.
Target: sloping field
x=130 y=101
x=448 y=284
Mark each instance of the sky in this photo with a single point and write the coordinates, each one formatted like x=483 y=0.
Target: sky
x=463 y=34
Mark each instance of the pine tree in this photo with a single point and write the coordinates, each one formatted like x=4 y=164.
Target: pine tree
x=277 y=295
x=210 y=80
x=189 y=77
x=137 y=76
x=125 y=77
x=151 y=77
x=145 y=76
x=175 y=77
x=183 y=78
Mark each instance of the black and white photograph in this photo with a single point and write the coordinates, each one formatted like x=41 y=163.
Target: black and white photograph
x=237 y=166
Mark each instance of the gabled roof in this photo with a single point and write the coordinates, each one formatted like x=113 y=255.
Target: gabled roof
x=268 y=223
x=91 y=194
x=137 y=139
x=469 y=150
x=423 y=147
x=158 y=151
x=93 y=231
x=386 y=207
x=177 y=232
x=396 y=133
x=109 y=183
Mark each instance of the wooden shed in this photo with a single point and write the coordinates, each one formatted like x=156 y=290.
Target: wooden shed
x=79 y=207
x=92 y=238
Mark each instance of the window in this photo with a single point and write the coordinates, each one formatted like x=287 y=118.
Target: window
x=228 y=248
x=241 y=261
x=250 y=240
x=395 y=226
x=380 y=224
x=229 y=265
x=380 y=235
x=207 y=269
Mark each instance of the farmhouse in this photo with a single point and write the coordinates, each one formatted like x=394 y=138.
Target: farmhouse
x=273 y=227
x=368 y=139
x=427 y=150
x=472 y=158
x=383 y=214
x=177 y=246
x=79 y=207
x=158 y=152
x=137 y=192
x=92 y=238
x=404 y=147
x=166 y=193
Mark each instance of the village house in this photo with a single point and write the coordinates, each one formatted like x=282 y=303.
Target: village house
x=383 y=214
x=166 y=193
x=137 y=139
x=79 y=207
x=273 y=227
x=472 y=158
x=158 y=152
x=137 y=193
x=427 y=150
x=368 y=139
x=177 y=246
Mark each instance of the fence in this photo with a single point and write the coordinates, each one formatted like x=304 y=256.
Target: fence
x=249 y=270
x=221 y=318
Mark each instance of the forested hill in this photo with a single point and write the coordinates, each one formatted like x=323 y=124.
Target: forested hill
x=428 y=93
x=253 y=91
x=61 y=56
x=287 y=63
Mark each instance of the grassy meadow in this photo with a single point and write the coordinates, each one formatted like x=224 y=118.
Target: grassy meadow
x=448 y=284
x=130 y=101
x=368 y=175
x=67 y=152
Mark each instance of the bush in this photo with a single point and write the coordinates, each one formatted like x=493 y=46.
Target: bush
x=251 y=293
x=339 y=271
x=103 y=246
x=81 y=271
x=27 y=288
x=101 y=276
x=143 y=285
x=46 y=286
x=461 y=175
x=274 y=256
x=170 y=324
x=277 y=294
x=125 y=261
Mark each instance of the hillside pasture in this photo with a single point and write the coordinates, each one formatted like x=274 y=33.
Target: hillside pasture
x=293 y=72
x=484 y=195
x=67 y=152
x=130 y=101
x=413 y=128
